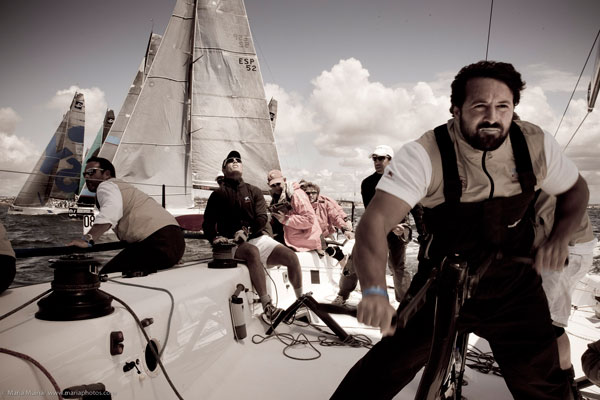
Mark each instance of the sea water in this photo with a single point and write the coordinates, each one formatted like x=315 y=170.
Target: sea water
x=26 y=231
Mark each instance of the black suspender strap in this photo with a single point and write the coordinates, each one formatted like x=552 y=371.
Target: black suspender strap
x=522 y=159
x=452 y=185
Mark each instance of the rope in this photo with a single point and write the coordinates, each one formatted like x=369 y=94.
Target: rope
x=576 y=130
x=37 y=364
x=576 y=84
x=170 y=311
x=326 y=340
x=24 y=305
x=137 y=320
x=489 y=30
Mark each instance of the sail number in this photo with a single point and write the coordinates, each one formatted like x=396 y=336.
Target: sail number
x=88 y=221
x=250 y=63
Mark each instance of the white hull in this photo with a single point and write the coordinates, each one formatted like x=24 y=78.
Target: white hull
x=16 y=210
x=202 y=358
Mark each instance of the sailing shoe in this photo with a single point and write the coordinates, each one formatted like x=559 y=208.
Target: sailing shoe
x=270 y=314
x=339 y=301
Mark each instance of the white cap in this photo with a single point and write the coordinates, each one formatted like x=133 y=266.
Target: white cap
x=219 y=176
x=383 y=150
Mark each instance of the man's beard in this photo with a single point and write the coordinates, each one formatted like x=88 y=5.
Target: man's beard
x=482 y=140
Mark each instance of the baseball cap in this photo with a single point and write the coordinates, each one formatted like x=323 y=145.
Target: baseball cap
x=274 y=176
x=232 y=154
x=383 y=150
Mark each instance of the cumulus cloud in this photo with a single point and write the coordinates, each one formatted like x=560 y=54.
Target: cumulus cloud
x=16 y=154
x=95 y=107
x=347 y=114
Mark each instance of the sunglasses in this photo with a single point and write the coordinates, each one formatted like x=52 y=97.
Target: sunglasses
x=233 y=159
x=380 y=158
x=91 y=171
x=275 y=185
x=311 y=193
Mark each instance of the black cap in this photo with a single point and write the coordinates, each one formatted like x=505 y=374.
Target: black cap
x=232 y=154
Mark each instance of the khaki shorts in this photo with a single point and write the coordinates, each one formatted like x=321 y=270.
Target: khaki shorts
x=265 y=245
x=559 y=285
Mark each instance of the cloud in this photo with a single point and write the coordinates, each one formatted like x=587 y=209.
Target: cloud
x=347 y=114
x=95 y=107
x=16 y=154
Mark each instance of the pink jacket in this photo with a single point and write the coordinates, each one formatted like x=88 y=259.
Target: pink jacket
x=329 y=213
x=301 y=226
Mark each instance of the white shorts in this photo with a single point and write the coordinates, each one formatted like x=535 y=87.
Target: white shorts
x=265 y=245
x=559 y=285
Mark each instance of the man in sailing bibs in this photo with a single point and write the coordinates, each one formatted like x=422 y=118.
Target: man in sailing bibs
x=156 y=240
x=475 y=176
x=238 y=211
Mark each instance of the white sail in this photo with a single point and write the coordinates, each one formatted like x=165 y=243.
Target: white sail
x=229 y=108
x=112 y=140
x=154 y=149
x=56 y=174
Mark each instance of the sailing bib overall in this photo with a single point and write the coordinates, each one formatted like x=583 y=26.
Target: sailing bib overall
x=508 y=307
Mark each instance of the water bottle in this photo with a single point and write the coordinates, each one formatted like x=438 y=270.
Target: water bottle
x=236 y=307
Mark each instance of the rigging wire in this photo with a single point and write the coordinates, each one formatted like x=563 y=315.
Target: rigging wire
x=576 y=130
x=575 y=88
x=489 y=31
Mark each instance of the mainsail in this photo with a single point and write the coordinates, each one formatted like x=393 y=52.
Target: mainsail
x=229 y=108
x=203 y=96
x=56 y=174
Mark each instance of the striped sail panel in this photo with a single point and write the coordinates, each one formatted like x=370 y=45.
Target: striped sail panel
x=229 y=108
x=56 y=174
x=112 y=140
x=153 y=149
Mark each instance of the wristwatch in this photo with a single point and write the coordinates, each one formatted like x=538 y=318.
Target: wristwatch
x=89 y=239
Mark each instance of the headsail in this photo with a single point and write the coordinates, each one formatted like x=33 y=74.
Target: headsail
x=112 y=140
x=56 y=174
x=94 y=149
x=229 y=108
x=154 y=148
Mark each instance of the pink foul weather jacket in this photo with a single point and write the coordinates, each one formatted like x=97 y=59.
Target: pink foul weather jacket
x=301 y=228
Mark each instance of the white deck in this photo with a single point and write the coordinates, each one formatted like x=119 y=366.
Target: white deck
x=202 y=357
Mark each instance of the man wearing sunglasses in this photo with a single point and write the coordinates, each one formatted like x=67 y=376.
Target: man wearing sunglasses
x=397 y=239
x=156 y=240
x=237 y=212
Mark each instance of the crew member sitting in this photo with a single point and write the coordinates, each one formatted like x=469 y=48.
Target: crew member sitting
x=330 y=214
x=291 y=207
x=155 y=239
x=237 y=211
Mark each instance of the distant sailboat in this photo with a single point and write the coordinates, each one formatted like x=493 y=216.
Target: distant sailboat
x=54 y=181
x=202 y=97
x=87 y=198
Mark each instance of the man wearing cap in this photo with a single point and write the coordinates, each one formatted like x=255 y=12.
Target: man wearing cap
x=397 y=239
x=291 y=207
x=237 y=211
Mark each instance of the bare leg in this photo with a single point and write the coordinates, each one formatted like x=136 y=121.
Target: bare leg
x=282 y=255
x=249 y=253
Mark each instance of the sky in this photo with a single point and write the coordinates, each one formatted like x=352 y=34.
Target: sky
x=348 y=74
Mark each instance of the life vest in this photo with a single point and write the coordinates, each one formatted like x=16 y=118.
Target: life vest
x=479 y=230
